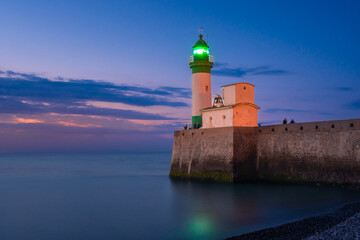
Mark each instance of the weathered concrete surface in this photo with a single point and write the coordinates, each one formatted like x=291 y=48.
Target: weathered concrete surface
x=203 y=153
x=319 y=151
x=244 y=164
x=326 y=152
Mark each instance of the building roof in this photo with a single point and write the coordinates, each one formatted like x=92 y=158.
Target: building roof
x=238 y=83
x=229 y=106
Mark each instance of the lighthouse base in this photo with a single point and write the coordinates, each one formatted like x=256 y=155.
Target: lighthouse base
x=209 y=154
x=196 y=120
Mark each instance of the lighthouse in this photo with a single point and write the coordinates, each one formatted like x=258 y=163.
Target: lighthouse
x=200 y=63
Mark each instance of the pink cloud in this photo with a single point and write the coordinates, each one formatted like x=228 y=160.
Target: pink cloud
x=27 y=120
x=70 y=124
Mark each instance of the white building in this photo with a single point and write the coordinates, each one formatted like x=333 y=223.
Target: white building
x=238 y=108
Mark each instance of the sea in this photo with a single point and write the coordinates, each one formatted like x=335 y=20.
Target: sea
x=130 y=196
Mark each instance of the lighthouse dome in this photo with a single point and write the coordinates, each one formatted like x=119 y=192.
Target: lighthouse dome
x=201 y=42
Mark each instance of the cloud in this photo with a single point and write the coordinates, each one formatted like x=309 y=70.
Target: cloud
x=344 y=89
x=86 y=115
x=222 y=70
x=15 y=105
x=43 y=89
x=27 y=120
x=31 y=94
x=325 y=113
x=277 y=110
x=65 y=128
x=12 y=105
x=230 y=72
x=353 y=105
x=290 y=110
x=71 y=124
x=220 y=64
x=61 y=138
x=179 y=92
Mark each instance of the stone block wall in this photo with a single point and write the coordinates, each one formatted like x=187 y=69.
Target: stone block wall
x=315 y=152
x=203 y=153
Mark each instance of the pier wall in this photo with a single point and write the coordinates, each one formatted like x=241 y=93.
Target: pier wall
x=316 y=152
x=203 y=154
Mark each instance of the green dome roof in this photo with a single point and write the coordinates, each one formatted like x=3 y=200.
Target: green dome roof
x=201 y=42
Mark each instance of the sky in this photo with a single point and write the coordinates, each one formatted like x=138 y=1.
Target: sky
x=113 y=76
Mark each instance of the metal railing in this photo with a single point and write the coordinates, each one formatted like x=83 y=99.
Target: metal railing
x=191 y=58
x=211 y=58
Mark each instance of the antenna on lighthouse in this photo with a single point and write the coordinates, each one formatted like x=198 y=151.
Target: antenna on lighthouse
x=201 y=30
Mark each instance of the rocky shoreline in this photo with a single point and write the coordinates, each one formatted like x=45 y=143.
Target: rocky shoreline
x=343 y=223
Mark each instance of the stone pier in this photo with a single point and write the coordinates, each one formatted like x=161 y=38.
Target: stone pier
x=327 y=152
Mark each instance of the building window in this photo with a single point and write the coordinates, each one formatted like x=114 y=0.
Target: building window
x=351 y=125
x=210 y=118
x=224 y=116
x=244 y=88
x=207 y=88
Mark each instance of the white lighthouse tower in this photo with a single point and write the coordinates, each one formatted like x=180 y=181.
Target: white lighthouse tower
x=201 y=63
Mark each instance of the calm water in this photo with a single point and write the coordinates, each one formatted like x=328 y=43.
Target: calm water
x=129 y=196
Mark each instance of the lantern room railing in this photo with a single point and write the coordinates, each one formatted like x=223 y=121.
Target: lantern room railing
x=191 y=58
x=211 y=58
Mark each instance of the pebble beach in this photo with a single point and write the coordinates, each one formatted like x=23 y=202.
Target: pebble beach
x=340 y=224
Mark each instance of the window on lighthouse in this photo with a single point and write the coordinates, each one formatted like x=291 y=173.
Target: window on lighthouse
x=207 y=88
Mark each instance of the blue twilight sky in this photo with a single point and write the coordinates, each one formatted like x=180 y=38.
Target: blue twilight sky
x=114 y=75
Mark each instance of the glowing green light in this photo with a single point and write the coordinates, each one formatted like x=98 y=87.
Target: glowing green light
x=200 y=51
x=201 y=226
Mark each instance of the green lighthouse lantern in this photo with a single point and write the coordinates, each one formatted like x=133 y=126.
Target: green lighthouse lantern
x=201 y=60
x=201 y=50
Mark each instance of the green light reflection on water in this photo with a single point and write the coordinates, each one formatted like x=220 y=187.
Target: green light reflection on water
x=200 y=227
